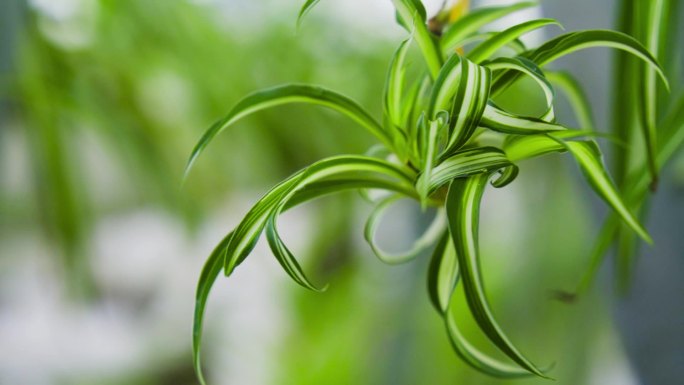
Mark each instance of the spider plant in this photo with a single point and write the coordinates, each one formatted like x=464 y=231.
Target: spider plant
x=443 y=140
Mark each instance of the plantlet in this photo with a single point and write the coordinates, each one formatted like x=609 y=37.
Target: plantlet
x=433 y=132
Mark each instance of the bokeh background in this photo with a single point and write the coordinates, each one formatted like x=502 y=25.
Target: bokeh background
x=101 y=102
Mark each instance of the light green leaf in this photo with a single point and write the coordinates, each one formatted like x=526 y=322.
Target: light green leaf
x=502 y=121
x=442 y=273
x=465 y=163
x=294 y=93
x=285 y=257
x=248 y=231
x=530 y=69
x=469 y=104
x=574 y=41
x=423 y=242
x=394 y=88
x=212 y=268
x=489 y=47
x=446 y=85
x=477 y=359
x=463 y=210
x=576 y=96
x=306 y=8
x=412 y=16
x=473 y=21
x=589 y=158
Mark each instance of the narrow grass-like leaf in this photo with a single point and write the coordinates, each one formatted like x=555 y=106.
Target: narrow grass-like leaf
x=396 y=76
x=411 y=13
x=285 y=257
x=589 y=158
x=473 y=21
x=248 y=231
x=477 y=359
x=648 y=95
x=515 y=45
x=212 y=268
x=306 y=8
x=215 y=263
x=442 y=273
x=293 y=93
x=530 y=69
x=427 y=239
x=576 y=96
x=502 y=121
x=446 y=85
x=575 y=41
x=469 y=104
x=499 y=40
x=429 y=153
x=463 y=210
x=467 y=162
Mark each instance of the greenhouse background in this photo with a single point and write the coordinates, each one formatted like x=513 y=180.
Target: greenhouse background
x=101 y=244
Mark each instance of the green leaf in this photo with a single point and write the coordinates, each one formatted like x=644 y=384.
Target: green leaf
x=394 y=88
x=446 y=85
x=576 y=96
x=516 y=45
x=306 y=8
x=473 y=21
x=248 y=231
x=465 y=163
x=574 y=41
x=589 y=158
x=412 y=16
x=285 y=257
x=502 y=121
x=294 y=93
x=423 y=242
x=214 y=264
x=429 y=135
x=528 y=68
x=489 y=47
x=477 y=359
x=469 y=104
x=442 y=273
x=463 y=207
x=212 y=268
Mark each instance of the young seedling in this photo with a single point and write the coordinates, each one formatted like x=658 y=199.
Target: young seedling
x=431 y=127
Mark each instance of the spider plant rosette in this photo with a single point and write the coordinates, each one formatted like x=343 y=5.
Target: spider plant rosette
x=432 y=128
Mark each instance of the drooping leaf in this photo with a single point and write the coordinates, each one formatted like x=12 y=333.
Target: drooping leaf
x=465 y=163
x=530 y=69
x=477 y=359
x=423 y=242
x=463 y=207
x=573 y=41
x=285 y=257
x=248 y=231
x=211 y=270
x=306 y=8
x=502 y=121
x=497 y=41
x=589 y=158
x=473 y=21
x=293 y=93
x=576 y=96
x=442 y=273
x=215 y=263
